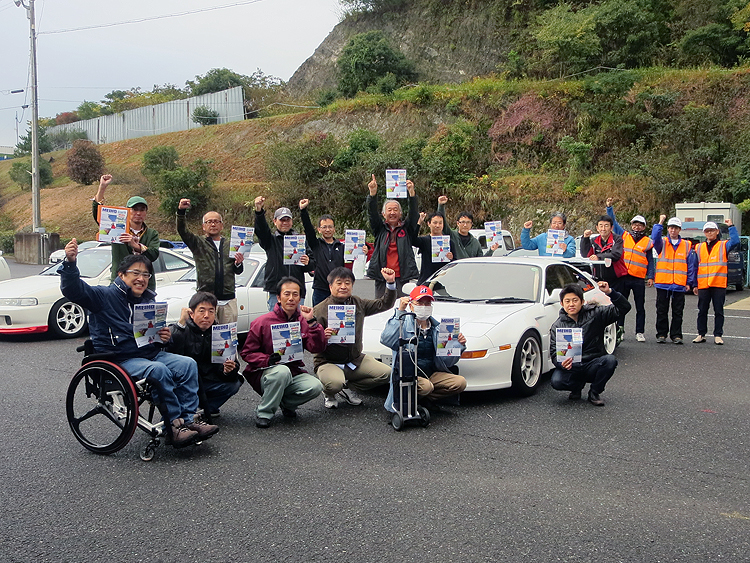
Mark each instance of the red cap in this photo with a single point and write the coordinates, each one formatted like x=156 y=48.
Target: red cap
x=419 y=292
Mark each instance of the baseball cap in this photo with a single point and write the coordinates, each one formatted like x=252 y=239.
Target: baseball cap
x=282 y=212
x=674 y=222
x=710 y=225
x=135 y=200
x=638 y=219
x=421 y=291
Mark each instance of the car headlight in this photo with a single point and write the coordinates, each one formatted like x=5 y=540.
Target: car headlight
x=21 y=302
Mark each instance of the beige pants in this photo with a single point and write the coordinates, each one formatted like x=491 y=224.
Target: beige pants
x=440 y=385
x=227 y=313
x=370 y=373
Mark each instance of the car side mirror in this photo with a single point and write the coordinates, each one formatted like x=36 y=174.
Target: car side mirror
x=554 y=298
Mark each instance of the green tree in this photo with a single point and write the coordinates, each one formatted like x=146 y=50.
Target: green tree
x=216 y=80
x=368 y=58
x=158 y=159
x=89 y=110
x=20 y=173
x=193 y=182
x=204 y=115
x=23 y=147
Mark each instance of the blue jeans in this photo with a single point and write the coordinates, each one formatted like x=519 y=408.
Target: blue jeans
x=219 y=392
x=175 y=380
x=597 y=372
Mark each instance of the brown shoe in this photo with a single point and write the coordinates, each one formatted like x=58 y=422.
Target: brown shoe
x=202 y=429
x=595 y=399
x=182 y=435
x=718 y=340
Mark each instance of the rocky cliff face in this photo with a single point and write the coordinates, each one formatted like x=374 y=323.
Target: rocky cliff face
x=446 y=44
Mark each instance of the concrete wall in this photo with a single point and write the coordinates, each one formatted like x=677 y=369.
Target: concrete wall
x=35 y=248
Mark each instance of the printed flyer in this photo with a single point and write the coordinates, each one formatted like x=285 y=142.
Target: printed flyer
x=148 y=318
x=294 y=249
x=113 y=222
x=569 y=343
x=241 y=239
x=287 y=342
x=448 y=331
x=354 y=245
x=395 y=184
x=341 y=321
x=492 y=230
x=223 y=343
x=554 y=238
x=441 y=246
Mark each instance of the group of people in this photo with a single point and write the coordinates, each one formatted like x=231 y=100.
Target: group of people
x=186 y=383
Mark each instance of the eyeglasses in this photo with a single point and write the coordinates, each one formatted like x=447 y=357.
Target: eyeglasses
x=138 y=274
x=464 y=222
x=213 y=222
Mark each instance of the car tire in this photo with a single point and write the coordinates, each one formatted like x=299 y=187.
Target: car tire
x=739 y=287
x=528 y=364
x=67 y=319
x=610 y=338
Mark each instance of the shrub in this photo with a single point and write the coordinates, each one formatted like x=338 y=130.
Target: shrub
x=7 y=241
x=204 y=115
x=455 y=153
x=193 y=182
x=158 y=159
x=325 y=98
x=20 y=173
x=85 y=162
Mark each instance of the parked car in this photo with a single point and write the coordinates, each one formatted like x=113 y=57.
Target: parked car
x=35 y=303
x=4 y=269
x=693 y=231
x=58 y=255
x=251 y=298
x=506 y=306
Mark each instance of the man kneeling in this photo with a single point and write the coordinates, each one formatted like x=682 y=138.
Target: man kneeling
x=111 y=328
x=596 y=366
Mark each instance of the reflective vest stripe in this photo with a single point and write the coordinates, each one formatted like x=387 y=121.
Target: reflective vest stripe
x=634 y=255
x=713 y=268
x=671 y=267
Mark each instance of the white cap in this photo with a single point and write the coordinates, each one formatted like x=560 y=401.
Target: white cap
x=709 y=225
x=674 y=222
x=638 y=219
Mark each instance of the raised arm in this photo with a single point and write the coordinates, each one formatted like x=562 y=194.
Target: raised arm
x=187 y=237
x=616 y=228
x=312 y=236
x=262 y=230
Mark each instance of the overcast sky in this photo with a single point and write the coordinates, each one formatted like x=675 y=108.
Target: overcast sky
x=273 y=35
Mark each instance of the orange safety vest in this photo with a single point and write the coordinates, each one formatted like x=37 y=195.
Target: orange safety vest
x=672 y=266
x=634 y=254
x=712 y=268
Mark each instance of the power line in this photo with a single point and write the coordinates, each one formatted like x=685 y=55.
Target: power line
x=141 y=20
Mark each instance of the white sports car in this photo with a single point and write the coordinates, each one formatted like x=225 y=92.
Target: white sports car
x=506 y=306
x=36 y=304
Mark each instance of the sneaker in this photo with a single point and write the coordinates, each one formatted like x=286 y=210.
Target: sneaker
x=661 y=339
x=289 y=413
x=595 y=399
x=700 y=339
x=677 y=340
x=203 y=429
x=575 y=395
x=330 y=401
x=262 y=422
x=640 y=338
x=348 y=396
x=718 y=340
x=182 y=435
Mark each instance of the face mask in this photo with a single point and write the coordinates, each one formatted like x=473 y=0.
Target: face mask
x=423 y=312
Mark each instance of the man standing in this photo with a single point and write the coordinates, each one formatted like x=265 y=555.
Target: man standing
x=639 y=262
x=596 y=366
x=345 y=364
x=675 y=272
x=435 y=378
x=393 y=238
x=328 y=253
x=285 y=385
x=191 y=337
x=141 y=239
x=539 y=242
x=215 y=268
x=435 y=222
x=713 y=269
x=463 y=243
x=273 y=244
x=111 y=310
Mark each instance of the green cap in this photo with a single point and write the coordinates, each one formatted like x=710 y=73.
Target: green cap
x=135 y=200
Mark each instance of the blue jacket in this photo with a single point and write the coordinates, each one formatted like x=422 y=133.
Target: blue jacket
x=540 y=242
x=110 y=313
x=618 y=230
x=692 y=261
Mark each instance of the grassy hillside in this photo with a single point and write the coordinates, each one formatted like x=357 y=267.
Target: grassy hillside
x=509 y=150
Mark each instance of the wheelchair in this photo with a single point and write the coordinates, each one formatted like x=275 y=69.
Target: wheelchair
x=104 y=406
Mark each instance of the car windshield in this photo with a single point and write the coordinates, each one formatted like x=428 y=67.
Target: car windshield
x=91 y=263
x=483 y=281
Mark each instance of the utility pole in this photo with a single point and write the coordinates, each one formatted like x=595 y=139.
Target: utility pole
x=35 y=183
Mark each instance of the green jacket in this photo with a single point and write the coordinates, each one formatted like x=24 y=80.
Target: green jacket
x=149 y=239
x=216 y=268
x=471 y=250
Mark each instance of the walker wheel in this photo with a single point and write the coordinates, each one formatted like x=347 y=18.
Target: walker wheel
x=397 y=421
x=424 y=416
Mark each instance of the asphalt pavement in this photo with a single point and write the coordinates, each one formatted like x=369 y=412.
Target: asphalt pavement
x=658 y=474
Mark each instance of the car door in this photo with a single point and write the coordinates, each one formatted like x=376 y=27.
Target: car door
x=169 y=268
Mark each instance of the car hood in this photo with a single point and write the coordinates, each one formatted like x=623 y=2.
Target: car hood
x=30 y=286
x=175 y=291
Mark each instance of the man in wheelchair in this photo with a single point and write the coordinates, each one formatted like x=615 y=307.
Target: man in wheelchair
x=174 y=377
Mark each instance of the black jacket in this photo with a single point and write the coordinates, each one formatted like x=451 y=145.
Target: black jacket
x=424 y=244
x=195 y=343
x=326 y=256
x=273 y=244
x=593 y=319
x=404 y=233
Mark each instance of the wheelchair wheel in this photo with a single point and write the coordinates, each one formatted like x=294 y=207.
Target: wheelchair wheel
x=102 y=407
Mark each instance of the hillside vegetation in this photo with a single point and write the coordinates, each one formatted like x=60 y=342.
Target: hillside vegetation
x=508 y=150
